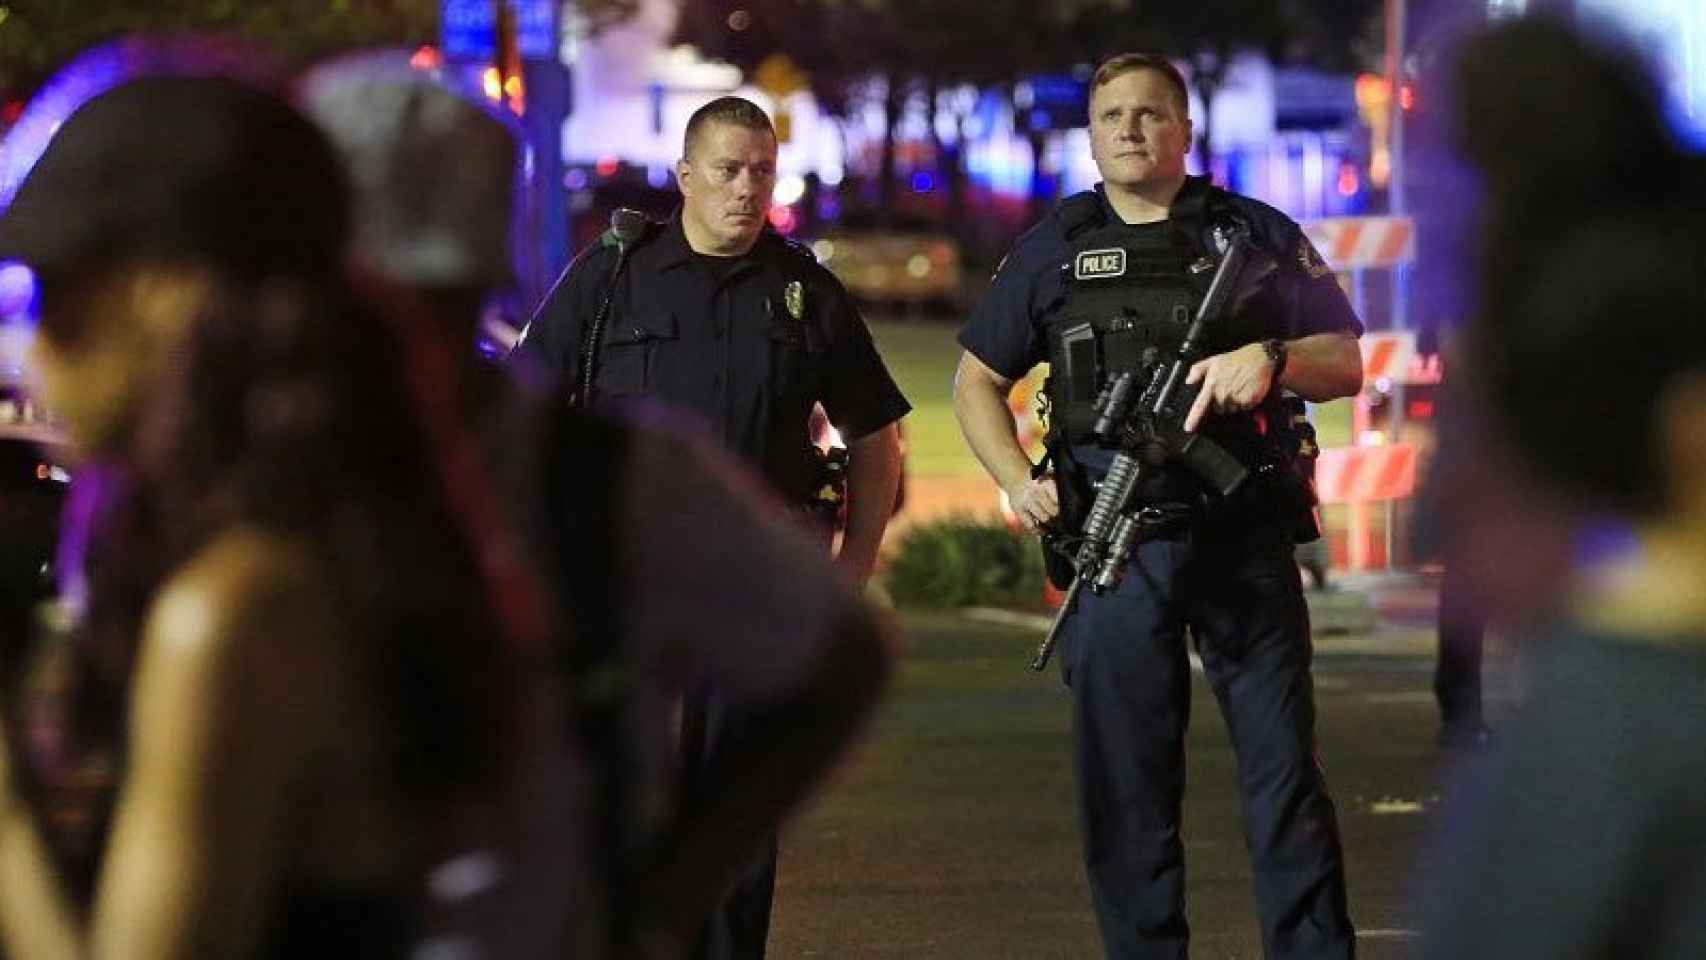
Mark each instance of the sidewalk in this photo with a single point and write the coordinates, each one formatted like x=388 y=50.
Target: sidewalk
x=1378 y=613
x=1368 y=614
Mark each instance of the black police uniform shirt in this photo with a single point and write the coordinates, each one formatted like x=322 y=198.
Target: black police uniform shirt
x=1008 y=330
x=748 y=344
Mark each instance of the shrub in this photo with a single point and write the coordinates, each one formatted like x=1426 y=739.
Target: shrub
x=965 y=561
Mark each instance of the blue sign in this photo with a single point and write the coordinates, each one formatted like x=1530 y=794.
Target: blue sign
x=470 y=28
x=1058 y=102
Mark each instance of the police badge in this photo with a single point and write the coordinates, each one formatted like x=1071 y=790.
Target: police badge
x=794 y=298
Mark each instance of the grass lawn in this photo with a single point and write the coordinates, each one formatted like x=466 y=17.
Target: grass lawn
x=922 y=357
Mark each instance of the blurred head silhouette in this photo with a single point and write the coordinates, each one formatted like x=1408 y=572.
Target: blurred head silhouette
x=1589 y=341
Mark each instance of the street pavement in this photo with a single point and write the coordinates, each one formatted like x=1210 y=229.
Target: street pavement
x=952 y=834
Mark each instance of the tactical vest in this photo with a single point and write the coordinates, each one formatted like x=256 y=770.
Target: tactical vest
x=1131 y=293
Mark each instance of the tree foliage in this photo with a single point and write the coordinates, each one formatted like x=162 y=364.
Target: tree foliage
x=36 y=36
x=995 y=44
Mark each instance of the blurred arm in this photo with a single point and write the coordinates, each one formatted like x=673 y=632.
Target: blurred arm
x=758 y=615
x=873 y=475
x=228 y=696
x=233 y=690
x=678 y=881
x=36 y=919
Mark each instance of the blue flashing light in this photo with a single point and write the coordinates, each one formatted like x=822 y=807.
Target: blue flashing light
x=575 y=179
x=96 y=71
x=923 y=182
x=17 y=290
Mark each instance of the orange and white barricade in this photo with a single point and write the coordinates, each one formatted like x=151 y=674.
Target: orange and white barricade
x=1358 y=243
x=1357 y=477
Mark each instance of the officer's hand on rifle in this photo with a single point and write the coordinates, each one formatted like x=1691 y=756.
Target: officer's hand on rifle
x=1035 y=502
x=1231 y=383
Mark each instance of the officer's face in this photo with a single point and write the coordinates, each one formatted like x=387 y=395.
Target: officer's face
x=1138 y=134
x=726 y=181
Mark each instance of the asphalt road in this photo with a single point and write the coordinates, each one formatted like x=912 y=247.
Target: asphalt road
x=952 y=834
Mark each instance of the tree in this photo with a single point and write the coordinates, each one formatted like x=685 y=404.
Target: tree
x=1208 y=35
x=36 y=36
x=899 y=47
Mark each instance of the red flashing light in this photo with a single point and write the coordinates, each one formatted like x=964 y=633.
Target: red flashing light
x=1420 y=409
x=784 y=220
x=1349 y=180
x=1406 y=97
x=42 y=472
x=426 y=58
x=607 y=166
x=12 y=110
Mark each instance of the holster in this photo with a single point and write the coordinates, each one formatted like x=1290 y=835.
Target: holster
x=1072 y=487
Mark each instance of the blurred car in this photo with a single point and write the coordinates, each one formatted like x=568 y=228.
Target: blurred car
x=34 y=477
x=906 y=265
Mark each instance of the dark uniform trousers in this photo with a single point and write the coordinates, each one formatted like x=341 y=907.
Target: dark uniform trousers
x=740 y=925
x=1125 y=660
x=1457 y=670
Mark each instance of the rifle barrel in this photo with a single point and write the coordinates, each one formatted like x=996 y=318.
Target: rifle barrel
x=1046 y=648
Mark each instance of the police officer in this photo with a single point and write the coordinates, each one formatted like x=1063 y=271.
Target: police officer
x=1099 y=287
x=718 y=315
x=715 y=315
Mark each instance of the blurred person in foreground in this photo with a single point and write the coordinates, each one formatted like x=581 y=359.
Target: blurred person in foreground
x=301 y=669
x=1584 y=835
x=740 y=332
x=664 y=556
x=1116 y=268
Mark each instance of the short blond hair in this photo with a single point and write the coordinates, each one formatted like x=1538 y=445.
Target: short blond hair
x=1125 y=63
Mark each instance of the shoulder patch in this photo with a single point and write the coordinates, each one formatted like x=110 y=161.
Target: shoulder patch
x=1310 y=258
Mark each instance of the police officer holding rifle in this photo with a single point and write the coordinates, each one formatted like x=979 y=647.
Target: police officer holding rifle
x=1182 y=324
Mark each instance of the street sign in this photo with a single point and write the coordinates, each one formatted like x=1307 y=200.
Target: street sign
x=469 y=29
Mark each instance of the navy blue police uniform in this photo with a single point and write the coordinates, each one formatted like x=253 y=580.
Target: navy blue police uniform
x=747 y=345
x=1224 y=571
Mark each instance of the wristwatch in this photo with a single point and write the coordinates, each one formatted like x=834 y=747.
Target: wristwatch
x=1275 y=349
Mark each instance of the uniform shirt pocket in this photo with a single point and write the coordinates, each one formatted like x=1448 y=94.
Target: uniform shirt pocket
x=628 y=364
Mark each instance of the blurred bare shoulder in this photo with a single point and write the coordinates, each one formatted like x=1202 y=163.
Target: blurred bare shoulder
x=251 y=611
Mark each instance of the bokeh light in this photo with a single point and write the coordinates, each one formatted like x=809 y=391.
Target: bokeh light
x=789 y=189
x=17 y=290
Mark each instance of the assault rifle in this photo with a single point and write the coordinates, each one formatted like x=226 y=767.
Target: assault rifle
x=1149 y=430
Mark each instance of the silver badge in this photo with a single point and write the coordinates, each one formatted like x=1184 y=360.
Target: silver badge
x=794 y=298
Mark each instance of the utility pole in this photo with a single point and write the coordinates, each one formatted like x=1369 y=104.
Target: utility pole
x=1396 y=87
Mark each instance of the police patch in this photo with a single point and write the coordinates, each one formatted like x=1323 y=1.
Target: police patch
x=1310 y=259
x=1099 y=264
